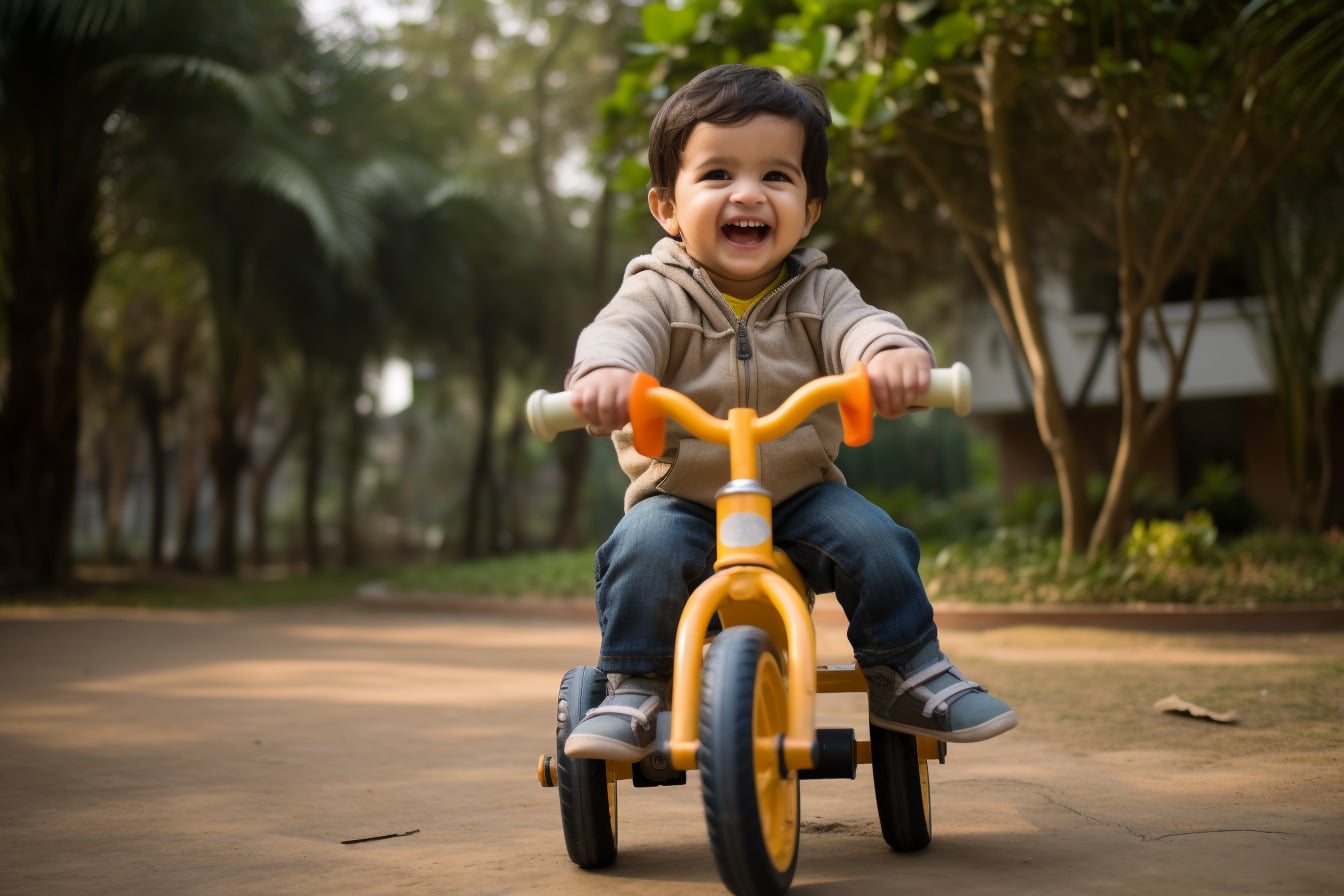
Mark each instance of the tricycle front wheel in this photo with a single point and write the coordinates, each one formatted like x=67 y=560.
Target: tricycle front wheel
x=751 y=805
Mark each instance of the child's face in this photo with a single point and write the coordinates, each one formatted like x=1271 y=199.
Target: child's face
x=740 y=201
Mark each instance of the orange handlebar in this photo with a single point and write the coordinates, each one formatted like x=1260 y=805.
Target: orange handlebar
x=651 y=405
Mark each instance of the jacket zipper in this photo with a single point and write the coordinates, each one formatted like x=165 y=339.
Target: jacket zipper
x=744 y=352
x=744 y=357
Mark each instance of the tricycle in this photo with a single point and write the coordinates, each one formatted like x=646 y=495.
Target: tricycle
x=744 y=687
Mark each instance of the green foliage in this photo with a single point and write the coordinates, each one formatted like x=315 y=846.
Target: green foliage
x=1006 y=565
x=1116 y=111
x=1323 y=554
x=665 y=25
x=1221 y=491
x=1162 y=543
x=1170 y=562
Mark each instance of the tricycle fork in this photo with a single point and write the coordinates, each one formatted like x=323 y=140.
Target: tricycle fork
x=762 y=597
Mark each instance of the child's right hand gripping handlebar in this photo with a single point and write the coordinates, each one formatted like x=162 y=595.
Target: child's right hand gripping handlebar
x=549 y=413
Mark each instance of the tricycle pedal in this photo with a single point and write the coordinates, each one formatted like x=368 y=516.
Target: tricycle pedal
x=655 y=769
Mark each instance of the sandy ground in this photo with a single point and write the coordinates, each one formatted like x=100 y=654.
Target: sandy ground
x=232 y=752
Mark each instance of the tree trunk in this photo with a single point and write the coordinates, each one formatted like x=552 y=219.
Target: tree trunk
x=237 y=395
x=1183 y=234
x=49 y=182
x=567 y=530
x=352 y=456
x=313 y=425
x=1051 y=417
x=575 y=452
x=477 y=534
x=39 y=427
x=263 y=474
x=150 y=404
x=191 y=473
x=116 y=453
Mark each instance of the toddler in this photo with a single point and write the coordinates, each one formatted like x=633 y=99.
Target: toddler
x=730 y=311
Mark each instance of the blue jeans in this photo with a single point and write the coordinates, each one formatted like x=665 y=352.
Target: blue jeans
x=664 y=547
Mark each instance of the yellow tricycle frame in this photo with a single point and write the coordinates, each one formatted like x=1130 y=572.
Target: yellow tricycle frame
x=754 y=583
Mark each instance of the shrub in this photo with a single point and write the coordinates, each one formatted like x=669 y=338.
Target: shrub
x=1167 y=543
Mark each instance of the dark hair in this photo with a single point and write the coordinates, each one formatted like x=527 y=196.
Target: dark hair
x=729 y=94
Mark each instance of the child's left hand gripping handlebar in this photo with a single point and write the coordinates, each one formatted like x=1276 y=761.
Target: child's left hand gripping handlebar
x=549 y=413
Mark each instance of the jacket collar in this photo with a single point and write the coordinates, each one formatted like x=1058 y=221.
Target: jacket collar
x=670 y=259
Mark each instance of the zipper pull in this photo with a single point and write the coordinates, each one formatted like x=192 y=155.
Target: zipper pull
x=743 y=346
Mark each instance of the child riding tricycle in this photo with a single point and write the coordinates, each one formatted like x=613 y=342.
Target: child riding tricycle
x=744 y=716
x=754 y=340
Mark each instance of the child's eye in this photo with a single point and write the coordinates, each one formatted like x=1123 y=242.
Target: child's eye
x=716 y=174
x=778 y=175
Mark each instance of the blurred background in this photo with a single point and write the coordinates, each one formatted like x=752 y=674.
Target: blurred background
x=278 y=276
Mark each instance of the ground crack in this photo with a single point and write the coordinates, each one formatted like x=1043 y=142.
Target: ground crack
x=1223 y=831
x=1140 y=835
x=1055 y=801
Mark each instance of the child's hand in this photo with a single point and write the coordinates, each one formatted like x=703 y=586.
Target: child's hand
x=899 y=377
x=602 y=398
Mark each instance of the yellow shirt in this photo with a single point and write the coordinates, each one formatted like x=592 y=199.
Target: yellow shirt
x=742 y=306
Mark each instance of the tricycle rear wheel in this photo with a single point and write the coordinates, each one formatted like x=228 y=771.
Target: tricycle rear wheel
x=901 y=784
x=587 y=792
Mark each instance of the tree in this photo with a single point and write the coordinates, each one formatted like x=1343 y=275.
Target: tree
x=543 y=69
x=146 y=325
x=448 y=260
x=71 y=75
x=1131 y=122
x=1296 y=250
x=275 y=202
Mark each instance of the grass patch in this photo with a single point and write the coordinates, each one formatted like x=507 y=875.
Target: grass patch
x=1007 y=567
x=552 y=573
x=102 y=587
x=1265 y=569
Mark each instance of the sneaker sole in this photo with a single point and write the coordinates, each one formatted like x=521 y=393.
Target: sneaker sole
x=592 y=746
x=984 y=731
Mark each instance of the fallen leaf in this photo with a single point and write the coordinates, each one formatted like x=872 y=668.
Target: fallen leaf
x=1176 y=704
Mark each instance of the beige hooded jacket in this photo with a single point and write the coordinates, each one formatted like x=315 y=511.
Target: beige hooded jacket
x=670 y=321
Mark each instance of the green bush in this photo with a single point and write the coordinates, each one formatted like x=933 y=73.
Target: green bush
x=1161 y=562
x=1035 y=505
x=1221 y=491
x=1168 y=543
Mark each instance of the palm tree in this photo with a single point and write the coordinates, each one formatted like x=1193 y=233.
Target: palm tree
x=77 y=80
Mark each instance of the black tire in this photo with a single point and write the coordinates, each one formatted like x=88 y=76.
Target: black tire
x=901 y=784
x=751 y=809
x=587 y=798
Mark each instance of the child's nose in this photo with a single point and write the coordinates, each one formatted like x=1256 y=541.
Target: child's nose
x=747 y=191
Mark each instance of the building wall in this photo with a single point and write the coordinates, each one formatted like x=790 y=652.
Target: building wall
x=1226 y=414
x=1245 y=433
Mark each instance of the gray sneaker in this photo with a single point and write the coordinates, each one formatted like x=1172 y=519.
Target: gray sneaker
x=930 y=697
x=622 y=727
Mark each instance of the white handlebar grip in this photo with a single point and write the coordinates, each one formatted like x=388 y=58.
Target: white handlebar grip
x=549 y=413
x=950 y=387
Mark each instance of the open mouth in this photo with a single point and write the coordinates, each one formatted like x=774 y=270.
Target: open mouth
x=746 y=232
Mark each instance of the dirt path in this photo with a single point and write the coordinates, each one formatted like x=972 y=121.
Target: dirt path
x=230 y=753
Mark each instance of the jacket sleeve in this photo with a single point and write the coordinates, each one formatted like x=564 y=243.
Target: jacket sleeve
x=853 y=331
x=631 y=332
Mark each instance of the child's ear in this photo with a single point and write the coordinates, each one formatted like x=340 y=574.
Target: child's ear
x=813 y=215
x=664 y=209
